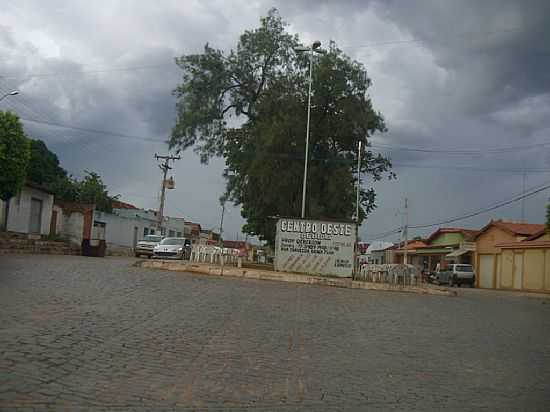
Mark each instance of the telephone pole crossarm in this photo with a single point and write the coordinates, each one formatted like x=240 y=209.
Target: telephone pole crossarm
x=164 y=166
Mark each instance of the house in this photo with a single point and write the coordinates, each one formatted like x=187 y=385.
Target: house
x=119 y=204
x=523 y=265
x=193 y=231
x=208 y=235
x=396 y=253
x=29 y=212
x=490 y=254
x=449 y=244
x=376 y=253
x=148 y=220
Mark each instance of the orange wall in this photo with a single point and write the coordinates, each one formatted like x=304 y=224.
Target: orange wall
x=485 y=243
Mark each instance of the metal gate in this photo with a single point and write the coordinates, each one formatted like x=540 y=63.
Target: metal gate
x=486 y=271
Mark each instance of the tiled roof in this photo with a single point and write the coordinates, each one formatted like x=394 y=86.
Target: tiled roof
x=469 y=234
x=518 y=229
x=525 y=244
x=527 y=229
x=118 y=204
x=538 y=234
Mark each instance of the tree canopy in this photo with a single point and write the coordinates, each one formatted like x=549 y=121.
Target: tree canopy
x=250 y=106
x=14 y=155
x=44 y=165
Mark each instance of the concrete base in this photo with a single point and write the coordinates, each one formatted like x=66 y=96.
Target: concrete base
x=231 y=271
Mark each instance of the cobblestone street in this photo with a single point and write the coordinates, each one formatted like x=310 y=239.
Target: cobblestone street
x=99 y=334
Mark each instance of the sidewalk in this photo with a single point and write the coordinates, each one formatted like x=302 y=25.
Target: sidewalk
x=232 y=271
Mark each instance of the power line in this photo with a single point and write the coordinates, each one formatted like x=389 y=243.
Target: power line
x=469 y=152
x=489 y=209
x=172 y=64
x=470 y=168
x=407 y=41
x=106 y=70
x=95 y=131
x=468 y=215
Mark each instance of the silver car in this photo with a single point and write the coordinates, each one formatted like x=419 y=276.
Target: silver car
x=172 y=248
x=145 y=247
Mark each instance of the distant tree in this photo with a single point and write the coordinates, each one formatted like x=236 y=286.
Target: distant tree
x=92 y=190
x=548 y=218
x=264 y=84
x=14 y=155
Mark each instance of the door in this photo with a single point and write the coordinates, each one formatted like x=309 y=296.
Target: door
x=36 y=216
x=486 y=270
x=53 y=223
x=518 y=271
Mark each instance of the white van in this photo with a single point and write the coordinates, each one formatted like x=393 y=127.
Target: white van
x=456 y=274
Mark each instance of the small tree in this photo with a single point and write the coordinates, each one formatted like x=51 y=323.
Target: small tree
x=92 y=190
x=14 y=155
x=548 y=218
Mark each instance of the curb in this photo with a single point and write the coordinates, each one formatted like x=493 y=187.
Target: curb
x=231 y=271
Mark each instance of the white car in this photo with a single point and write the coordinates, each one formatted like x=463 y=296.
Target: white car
x=145 y=247
x=172 y=248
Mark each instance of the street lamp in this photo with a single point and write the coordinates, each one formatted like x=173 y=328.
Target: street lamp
x=12 y=93
x=314 y=48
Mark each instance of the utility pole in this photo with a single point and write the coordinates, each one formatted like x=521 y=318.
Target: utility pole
x=406 y=231
x=164 y=166
x=221 y=234
x=357 y=207
x=523 y=193
x=304 y=184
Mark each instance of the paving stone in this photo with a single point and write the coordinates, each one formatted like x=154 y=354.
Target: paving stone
x=99 y=334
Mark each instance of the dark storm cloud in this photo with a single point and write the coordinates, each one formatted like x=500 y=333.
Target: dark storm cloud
x=455 y=75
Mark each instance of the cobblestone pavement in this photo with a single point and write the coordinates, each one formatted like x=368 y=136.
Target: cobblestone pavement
x=98 y=334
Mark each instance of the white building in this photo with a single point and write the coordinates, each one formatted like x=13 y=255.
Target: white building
x=30 y=211
x=172 y=226
x=376 y=252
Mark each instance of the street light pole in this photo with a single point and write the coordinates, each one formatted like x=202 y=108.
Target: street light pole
x=356 y=261
x=12 y=93
x=304 y=186
x=314 y=48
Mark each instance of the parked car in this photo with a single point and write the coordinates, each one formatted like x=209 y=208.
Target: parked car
x=456 y=274
x=145 y=247
x=173 y=248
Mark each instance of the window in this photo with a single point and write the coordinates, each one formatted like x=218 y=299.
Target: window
x=145 y=231
x=171 y=233
x=179 y=234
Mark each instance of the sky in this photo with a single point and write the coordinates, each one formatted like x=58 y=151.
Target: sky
x=464 y=88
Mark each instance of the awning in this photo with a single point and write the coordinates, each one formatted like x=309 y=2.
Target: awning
x=458 y=252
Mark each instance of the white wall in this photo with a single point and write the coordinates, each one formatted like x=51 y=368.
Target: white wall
x=119 y=230
x=20 y=210
x=73 y=227
x=176 y=224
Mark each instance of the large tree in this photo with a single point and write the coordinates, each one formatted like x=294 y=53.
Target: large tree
x=44 y=165
x=44 y=168
x=263 y=85
x=14 y=155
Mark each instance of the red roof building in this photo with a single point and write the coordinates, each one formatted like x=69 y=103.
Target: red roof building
x=118 y=204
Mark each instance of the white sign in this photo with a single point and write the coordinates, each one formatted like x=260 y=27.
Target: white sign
x=314 y=247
